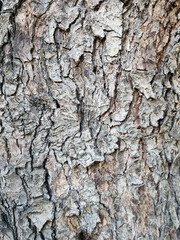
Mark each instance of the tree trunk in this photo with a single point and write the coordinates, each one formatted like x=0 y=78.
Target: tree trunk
x=89 y=120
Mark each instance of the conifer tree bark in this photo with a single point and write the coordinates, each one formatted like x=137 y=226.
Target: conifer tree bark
x=89 y=120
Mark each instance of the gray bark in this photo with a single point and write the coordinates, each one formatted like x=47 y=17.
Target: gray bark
x=89 y=120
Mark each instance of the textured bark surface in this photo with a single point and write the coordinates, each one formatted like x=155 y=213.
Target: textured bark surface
x=89 y=120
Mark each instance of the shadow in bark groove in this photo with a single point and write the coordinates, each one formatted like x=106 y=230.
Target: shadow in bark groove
x=1 y=4
x=5 y=220
x=82 y=236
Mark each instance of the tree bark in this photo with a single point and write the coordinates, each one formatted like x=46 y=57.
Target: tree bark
x=89 y=120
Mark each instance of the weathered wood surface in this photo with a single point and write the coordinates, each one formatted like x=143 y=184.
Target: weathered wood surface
x=89 y=120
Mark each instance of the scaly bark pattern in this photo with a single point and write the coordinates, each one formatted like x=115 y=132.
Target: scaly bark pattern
x=89 y=120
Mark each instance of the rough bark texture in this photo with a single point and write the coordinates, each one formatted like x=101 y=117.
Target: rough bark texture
x=89 y=120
